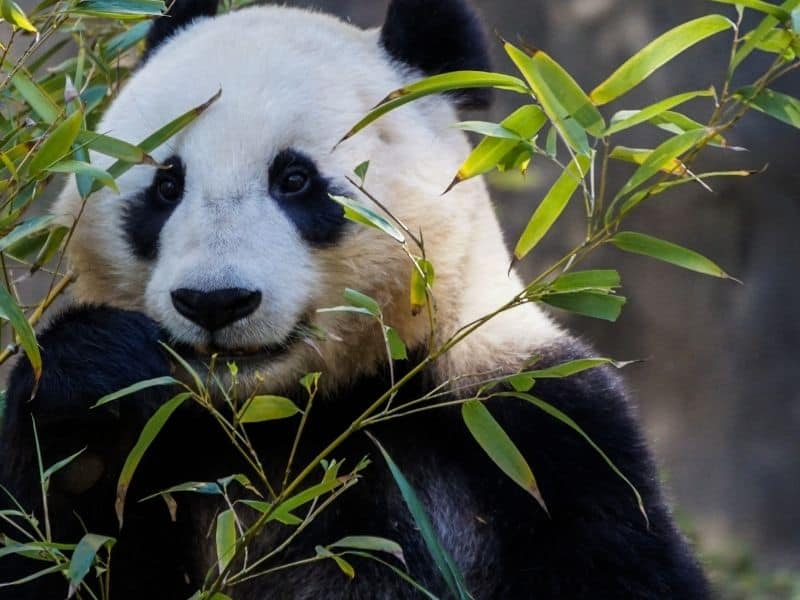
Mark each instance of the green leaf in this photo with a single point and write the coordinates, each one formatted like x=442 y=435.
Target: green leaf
x=656 y=54
x=358 y=213
x=26 y=229
x=151 y=430
x=399 y=572
x=573 y=367
x=761 y=6
x=115 y=148
x=441 y=557
x=10 y=311
x=226 y=536
x=83 y=168
x=587 y=280
x=550 y=99
x=779 y=106
x=194 y=487
x=12 y=13
x=626 y=119
x=498 y=446
x=423 y=276
x=760 y=33
x=569 y=422
x=525 y=123
x=552 y=206
x=344 y=566
x=135 y=388
x=83 y=558
x=119 y=9
x=57 y=145
x=638 y=243
x=438 y=84
x=41 y=103
x=663 y=157
x=397 y=347
x=639 y=156
x=361 y=171
x=27 y=579
x=360 y=300
x=597 y=305
x=375 y=544
x=267 y=408
x=556 y=88
x=488 y=129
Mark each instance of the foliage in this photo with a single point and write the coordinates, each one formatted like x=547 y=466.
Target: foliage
x=46 y=125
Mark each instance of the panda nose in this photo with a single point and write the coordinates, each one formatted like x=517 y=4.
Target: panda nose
x=216 y=309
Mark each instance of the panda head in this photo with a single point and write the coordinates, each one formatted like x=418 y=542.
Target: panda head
x=234 y=244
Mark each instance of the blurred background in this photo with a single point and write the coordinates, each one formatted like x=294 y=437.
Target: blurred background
x=719 y=388
x=719 y=391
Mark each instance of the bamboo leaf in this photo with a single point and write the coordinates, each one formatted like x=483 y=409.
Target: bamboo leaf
x=761 y=6
x=344 y=566
x=552 y=206
x=597 y=305
x=41 y=103
x=555 y=88
x=572 y=131
x=57 y=145
x=119 y=9
x=656 y=54
x=438 y=84
x=358 y=213
x=760 y=33
x=26 y=229
x=397 y=347
x=662 y=157
x=569 y=422
x=135 y=388
x=441 y=557
x=423 y=276
x=645 y=245
x=375 y=544
x=83 y=558
x=525 y=123
x=498 y=446
x=779 y=106
x=626 y=119
x=267 y=408
x=10 y=311
x=225 y=538
x=639 y=156
x=77 y=167
x=115 y=148
x=587 y=280
x=12 y=13
x=360 y=300
x=151 y=430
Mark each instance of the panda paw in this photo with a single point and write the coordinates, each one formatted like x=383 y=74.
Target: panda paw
x=87 y=353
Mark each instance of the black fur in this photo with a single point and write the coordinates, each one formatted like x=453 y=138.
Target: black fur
x=181 y=14
x=319 y=219
x=595 y=544
x=437 y=37
x=148 y=212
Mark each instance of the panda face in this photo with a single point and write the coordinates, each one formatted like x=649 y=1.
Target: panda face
x=233 y=243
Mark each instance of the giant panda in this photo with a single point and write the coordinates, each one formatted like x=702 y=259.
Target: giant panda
x=232 y=247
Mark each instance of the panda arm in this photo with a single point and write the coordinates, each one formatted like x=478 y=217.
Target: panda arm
x=87 y=352
x=595 y=541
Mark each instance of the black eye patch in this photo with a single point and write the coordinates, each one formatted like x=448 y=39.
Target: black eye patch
x=302 y=193
x=147 y=214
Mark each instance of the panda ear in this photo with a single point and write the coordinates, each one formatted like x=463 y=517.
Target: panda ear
x=181 y=14
x=437 y=36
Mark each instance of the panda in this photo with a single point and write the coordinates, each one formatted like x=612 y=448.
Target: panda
x=233 y=245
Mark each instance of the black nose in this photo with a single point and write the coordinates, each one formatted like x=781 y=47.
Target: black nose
x=217 y=309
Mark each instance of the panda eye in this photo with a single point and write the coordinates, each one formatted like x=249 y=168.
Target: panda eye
x=294 y=182
x=169 y=191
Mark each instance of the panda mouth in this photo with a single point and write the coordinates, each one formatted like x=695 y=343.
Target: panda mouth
x=213 y=352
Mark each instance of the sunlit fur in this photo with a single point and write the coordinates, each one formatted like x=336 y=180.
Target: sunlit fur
x=290 y=78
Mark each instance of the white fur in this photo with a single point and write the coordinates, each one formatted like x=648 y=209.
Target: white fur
x=293 y=78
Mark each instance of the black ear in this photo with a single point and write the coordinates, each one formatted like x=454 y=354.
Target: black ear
x=181 y=14
x=437 y=36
